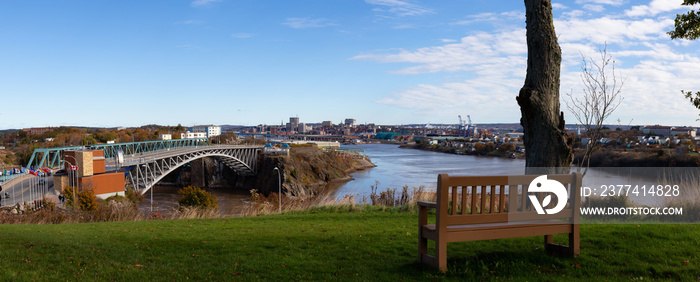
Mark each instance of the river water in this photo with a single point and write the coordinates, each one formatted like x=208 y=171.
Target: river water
x=397 y=167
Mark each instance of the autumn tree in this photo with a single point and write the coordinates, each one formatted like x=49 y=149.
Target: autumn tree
x=545 y=139
x=688 y=27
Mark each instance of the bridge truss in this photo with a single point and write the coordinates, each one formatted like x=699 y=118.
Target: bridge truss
x=147 y=171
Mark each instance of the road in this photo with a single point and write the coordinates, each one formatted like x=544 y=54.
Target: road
x=28 y=189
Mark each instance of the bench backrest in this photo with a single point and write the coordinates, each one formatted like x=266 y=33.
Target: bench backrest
x=492 y=199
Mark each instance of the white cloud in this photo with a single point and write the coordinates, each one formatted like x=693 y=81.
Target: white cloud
x=594 y=8
x=192 y=22
x=473 y=53
x=491 y=67
x=495 y=17
x=610 y=30
x=654 y=8
x=404 y=26
x=300 y=23
x=399 y=7
x=445 y=40
x=242 y=35
x=573 y=14
x=605 y=2
x=559 y=6
x=197 y=3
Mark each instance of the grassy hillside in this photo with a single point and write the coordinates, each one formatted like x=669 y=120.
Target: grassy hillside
x=332 y=243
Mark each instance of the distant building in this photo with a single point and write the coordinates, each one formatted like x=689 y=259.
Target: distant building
x=684 y=130
x=327 y=123
x=37 y=130
x=350 y=122
x=657 y=129
x=209 y=130
x=166 y=137
x=303 y=128
x=293 y=124
x=515 y=135
x=190 y=135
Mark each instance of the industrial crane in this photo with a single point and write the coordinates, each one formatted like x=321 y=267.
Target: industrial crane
x=464 y=127
x=469 y=126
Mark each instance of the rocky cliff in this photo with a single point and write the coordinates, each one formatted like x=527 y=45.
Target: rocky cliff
x=306 y=171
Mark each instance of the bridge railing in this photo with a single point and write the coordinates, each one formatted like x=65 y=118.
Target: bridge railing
x=53 y=157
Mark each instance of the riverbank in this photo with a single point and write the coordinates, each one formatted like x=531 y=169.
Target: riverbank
x=646 y=157
x=307 y=171
x=507 y=152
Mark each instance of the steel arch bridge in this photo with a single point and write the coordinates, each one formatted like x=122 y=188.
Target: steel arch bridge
x=146 y=170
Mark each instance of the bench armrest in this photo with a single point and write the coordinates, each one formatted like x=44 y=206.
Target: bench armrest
x=427 y=204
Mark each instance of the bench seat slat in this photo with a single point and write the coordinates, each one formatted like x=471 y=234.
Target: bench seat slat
x=460 y=235
x=476 y=218
x=488 y=231
x=476 y=180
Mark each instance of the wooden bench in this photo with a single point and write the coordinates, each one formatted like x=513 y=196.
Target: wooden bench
x=472 y=208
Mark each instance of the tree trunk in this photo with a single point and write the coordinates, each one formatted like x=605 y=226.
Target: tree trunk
x=546 y=142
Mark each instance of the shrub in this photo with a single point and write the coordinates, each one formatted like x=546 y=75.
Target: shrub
x=506 y=147
x=87 y=200
x=68 y=195
x=196 y=197
x=133 y=196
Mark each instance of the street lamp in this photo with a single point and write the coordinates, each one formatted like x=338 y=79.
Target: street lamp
x=75 y=174
x=279 y=181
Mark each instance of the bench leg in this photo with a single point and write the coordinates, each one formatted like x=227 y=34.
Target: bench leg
x=548 y=243
x=574 y=244
x=573 y=249
x=422 y=241
x=441 y=254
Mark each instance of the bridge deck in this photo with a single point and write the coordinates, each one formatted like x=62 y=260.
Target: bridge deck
x=147 y=157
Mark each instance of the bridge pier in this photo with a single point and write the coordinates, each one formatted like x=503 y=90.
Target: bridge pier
x=198 y=173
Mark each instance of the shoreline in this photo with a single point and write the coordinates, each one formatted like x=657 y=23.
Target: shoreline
x=441 y=149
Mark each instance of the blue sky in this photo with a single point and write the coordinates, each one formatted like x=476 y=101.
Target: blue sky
x=130 y=63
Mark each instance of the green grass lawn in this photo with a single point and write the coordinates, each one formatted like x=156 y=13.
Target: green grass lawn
x=329 y=244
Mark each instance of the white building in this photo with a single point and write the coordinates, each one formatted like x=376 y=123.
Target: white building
x=190 y=135
x=166 y=137
x=684 y=130
x=657 y=129
x=209 y=130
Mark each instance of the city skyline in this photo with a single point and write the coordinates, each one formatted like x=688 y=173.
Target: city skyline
x=224 y=62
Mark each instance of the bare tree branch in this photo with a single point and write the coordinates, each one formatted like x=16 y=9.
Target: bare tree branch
x=600 y=97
